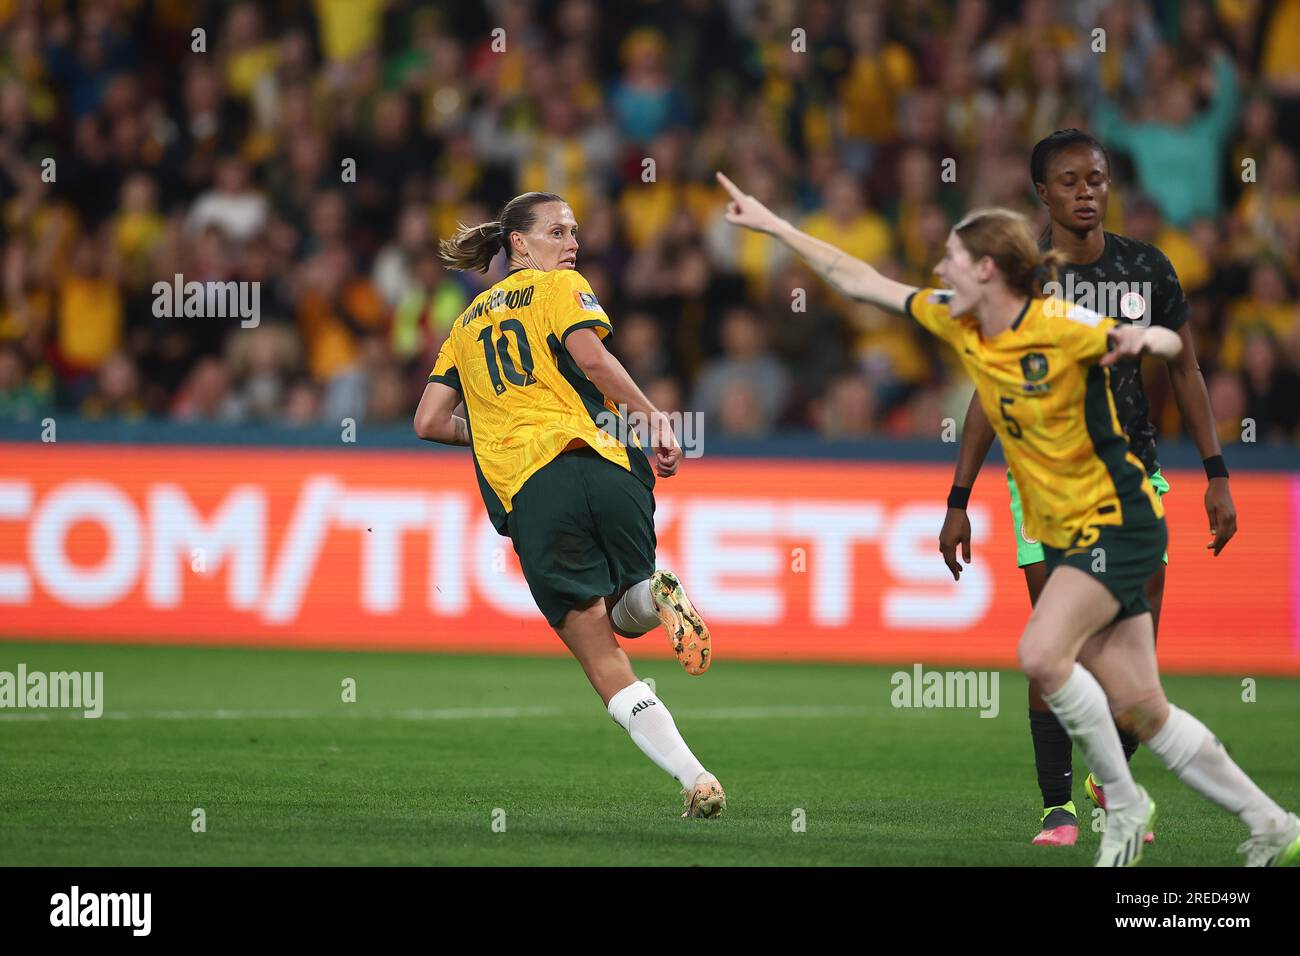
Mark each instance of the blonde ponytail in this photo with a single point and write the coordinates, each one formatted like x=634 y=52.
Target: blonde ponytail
x=472 y=247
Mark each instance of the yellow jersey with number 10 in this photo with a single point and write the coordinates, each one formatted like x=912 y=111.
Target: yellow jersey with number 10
x=526 y=399
x=1049 y=400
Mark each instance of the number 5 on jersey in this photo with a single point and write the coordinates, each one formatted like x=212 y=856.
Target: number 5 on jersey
x=1013 y=426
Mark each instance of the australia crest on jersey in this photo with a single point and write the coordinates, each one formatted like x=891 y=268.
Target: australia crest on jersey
x=1034 y=367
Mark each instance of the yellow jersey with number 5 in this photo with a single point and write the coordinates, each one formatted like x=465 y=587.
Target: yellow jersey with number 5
x=526 y=399
x=1042 y=386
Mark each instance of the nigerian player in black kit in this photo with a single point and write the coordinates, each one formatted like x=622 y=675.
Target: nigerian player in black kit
x=1131 y=281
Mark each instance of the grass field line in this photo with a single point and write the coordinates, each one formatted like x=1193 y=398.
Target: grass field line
x=794 y=712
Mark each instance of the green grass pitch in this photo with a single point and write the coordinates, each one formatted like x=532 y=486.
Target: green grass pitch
x=437 y=747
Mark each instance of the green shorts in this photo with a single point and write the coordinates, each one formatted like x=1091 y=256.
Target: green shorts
x=1122 y=558
x=583 y=528
x=1029 y=550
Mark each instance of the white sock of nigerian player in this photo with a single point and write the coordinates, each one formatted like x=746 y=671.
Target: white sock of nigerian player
x=635 y=612
x=1195 y=756
x=643 y=715
x=1081 y=706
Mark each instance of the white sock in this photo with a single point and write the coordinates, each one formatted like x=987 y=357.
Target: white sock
x=644 y=716
x=1081 y=707
x=635 y=612
x=1186 y=747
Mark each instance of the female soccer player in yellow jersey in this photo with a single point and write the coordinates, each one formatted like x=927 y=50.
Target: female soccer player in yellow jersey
x=1041 y=369
x=527 y=359
x=1071 y=172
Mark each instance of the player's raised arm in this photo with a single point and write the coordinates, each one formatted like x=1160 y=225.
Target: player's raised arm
x=852 y=277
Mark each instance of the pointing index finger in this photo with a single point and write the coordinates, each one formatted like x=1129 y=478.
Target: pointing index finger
x=729 y=186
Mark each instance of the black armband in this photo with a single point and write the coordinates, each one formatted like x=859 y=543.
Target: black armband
x=958 y=497
x=1215 y=467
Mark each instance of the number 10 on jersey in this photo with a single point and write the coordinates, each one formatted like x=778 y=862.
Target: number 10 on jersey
x=507 y=364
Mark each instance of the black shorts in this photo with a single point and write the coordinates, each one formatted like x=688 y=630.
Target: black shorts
x=1120 y=557
x=583 y=528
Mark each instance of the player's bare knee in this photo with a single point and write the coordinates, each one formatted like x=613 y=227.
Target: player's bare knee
x=1040 y=664
x=1028 y=659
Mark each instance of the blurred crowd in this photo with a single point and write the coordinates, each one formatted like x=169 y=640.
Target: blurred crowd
x=321 y=147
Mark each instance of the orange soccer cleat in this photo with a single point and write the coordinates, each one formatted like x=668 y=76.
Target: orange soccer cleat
x=686 y=629
x=705 y=799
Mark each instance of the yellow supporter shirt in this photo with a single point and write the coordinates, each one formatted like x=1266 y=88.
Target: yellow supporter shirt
x=243 y=70
x=332 y=345
x=1246 y=316
x=1194 y=271
x=1280 y=58
x=867 y=237
x=869 y=90
x=90 y=320
x=348 y=27
x=648 y=210
x=1049 y=400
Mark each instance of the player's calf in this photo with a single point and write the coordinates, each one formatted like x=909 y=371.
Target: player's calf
x=1195 y=756
x=643 y=715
